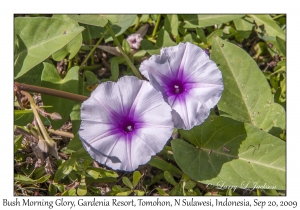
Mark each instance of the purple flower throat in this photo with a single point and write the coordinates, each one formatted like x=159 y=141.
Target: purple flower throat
x=127 y=126
x=176 y=87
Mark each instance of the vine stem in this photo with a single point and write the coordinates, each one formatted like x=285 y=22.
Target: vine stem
x=49 y=91
x=156 y=25
x=135 y=71
x=92 y=51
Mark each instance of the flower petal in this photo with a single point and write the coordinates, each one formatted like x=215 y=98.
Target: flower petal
x=132 y=101
x=189 y=81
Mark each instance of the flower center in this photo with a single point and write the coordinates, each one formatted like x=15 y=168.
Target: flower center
x=128 y=127
x=178 y=88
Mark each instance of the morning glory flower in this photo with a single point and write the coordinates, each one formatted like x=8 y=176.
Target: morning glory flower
x=190 y=82
x=124 y=123
x=134 y=41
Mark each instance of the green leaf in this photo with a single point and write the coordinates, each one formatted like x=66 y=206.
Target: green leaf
x=218 y=32
x=126 y=193
x=114 y=67
x=270 y=26
x=139 y=192
x=91 y=32
x=27 y=180
x=100 y=173
x=52 y=190
x=192 y=21
x=192 y=38
x=149 y=47
x=32 y=77
x=244 y=26
x=38 y=172
x=281 y=45
x=165 y=166
x=170 y=178
x=127 y=182
x=118 y=188
x=231 y=152
x=95 y=20
x=73 y=46
x=136 y=178
x=17 y=142
x=161 y=192
x=37 y=38
x=120 y=23
x=23 y=117
x=82 y=189
x=247 y=96
x=126 y=46
x=171 y=24
x=163 y=40
x=64 y=169
x=188 y=183
x=70 y=192
x=51 y=79
x=177 y=191
x=75 y=143
x=201 y=35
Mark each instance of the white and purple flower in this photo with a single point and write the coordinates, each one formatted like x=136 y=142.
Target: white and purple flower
x=123 y=124
x=190 y=82
x=134 y=41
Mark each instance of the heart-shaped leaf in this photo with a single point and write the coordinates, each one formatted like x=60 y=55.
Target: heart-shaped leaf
x=192 y=21
x=247 y=95
x=231 y=153
x=51 y=79
x=39 y=37
x=73 y=46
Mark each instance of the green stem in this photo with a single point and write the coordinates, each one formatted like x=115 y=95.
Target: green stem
x=92 y=51
x=76 y=60
x=92 y=57
x=91 y=68
x=130 y=64
x=258 y=191
x=156 y=25
x=70 y=63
